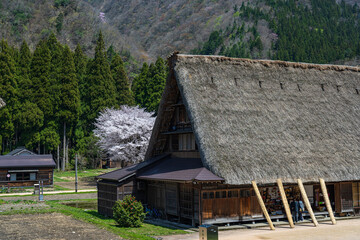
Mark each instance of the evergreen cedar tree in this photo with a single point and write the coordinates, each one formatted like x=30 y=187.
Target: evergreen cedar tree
x=149 y=84
x=53 y=89
x=315 y=32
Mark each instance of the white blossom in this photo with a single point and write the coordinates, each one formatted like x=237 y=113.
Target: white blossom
x=124 y=134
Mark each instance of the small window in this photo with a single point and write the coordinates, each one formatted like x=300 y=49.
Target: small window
x=205 y=195
x=211 y=195
x=26 y=176
x=244 y=193
x=233 y=194
x=217 y=194
x=13 y=177
x=223 y=194
x=186 y=142
x=33 y=176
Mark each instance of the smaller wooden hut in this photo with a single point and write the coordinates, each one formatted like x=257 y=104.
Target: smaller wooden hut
x=26 y=170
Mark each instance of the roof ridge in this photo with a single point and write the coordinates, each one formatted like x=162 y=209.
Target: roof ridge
x=268 y=63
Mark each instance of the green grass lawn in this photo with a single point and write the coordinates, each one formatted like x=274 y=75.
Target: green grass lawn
x=88 y=174
x=91 y=216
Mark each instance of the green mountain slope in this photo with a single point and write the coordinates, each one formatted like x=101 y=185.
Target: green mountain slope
x=147 y=29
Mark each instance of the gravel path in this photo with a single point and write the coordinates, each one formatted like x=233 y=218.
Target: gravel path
x=343 y=230
x=49 y=226
x=55 y=197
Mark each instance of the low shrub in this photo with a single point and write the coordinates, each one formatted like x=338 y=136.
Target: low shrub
x=128 y=212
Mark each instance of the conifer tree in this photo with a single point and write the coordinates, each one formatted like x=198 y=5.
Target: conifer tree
x=139 y=86
x=80 y=62
x=99 y=85
x=24 y=59
x=8 y=84
x=69 y=95
x=39 y=74
x=110 y=53
x=123 y=93
x=8 y=91
x=158 y=74
x=56 y=50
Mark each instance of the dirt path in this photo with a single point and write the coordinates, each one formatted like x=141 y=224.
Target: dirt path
x=55 y=197
x=81 y=185
x=343 y=230
x=49 y=226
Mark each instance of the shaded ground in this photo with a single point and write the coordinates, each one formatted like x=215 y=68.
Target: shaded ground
x=49 y=226
x=54 y=197
x=343 y=230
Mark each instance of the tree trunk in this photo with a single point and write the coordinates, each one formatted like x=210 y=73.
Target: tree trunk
x=67 y=153
x=64 y=146
x=39 y=152
x=58 y=157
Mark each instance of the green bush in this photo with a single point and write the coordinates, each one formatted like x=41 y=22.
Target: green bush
x=129 y=212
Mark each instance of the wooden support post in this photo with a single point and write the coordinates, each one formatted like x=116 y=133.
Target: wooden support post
x=327 y=201
x=306 y=202
x=285 y=203
x=262 y=205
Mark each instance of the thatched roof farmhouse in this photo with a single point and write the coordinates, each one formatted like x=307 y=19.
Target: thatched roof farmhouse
x=242 y=120
x=261 y=120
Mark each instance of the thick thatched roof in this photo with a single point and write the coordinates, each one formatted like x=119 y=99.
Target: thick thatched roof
x=261 y=120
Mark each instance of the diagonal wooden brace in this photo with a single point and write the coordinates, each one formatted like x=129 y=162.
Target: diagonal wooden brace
x=306 y=202
x=285 y=203
x=262 y=205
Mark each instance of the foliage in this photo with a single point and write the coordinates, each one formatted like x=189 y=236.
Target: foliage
x=99 y=87
x=124 y=134
x=149 y=85
x=61 y=3
x=123 y=92
x=53 y=89
x=128 y=212
x=317 y=31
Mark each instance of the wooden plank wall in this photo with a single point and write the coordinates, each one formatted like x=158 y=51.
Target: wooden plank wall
x=42 y=174
x=107 y=196
x=229 y=203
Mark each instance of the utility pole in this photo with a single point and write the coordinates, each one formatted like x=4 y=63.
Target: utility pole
x=76 y=177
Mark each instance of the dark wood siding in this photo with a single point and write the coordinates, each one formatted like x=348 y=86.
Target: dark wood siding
x=229 y=203
x=107 y=196
x=42 y=174
x=109 y=192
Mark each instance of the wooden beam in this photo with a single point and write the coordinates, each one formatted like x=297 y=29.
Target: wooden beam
x=327 y=201
x=285 y=203
x=306 y=202
x=262 y=205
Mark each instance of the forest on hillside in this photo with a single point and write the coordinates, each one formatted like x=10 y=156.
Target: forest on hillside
x=53 y=96
x=317 y=32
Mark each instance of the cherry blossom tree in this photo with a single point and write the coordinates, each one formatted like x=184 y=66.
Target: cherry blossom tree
x=124 y=134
